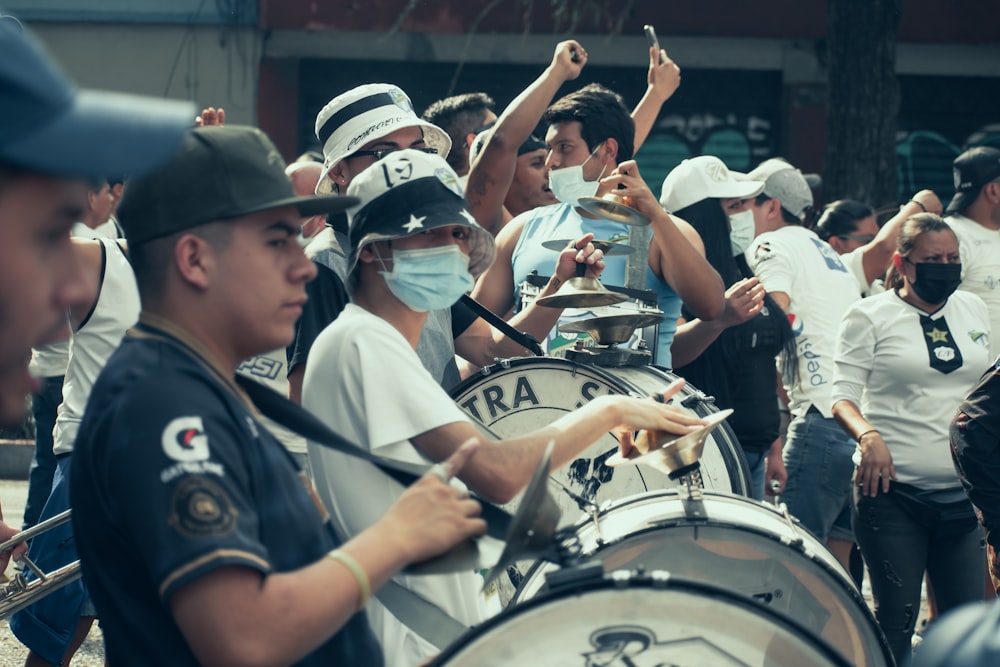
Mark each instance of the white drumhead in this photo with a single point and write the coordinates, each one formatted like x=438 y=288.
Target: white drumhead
x=744 y=546
x=628 y=622
x=528 y=394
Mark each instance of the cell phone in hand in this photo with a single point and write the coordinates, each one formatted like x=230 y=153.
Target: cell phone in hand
x=651 y=38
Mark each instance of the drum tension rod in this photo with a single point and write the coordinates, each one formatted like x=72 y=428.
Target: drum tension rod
x=588 y=507
x=797 y=541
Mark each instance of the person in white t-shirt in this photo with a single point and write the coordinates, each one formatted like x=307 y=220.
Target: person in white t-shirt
x=974 y=216
x=866 y=249
x=415 y=247
x=809 y=282
x=905 y=360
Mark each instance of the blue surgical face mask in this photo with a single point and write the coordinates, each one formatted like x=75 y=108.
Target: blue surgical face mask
x=567 y=183
x=428 y=278
x=741 y=231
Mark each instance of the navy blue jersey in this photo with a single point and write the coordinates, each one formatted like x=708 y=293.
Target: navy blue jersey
x=173 y=477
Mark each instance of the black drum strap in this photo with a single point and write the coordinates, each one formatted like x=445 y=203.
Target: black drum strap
x=417 y=613
x=525 y=340
x=296 y=418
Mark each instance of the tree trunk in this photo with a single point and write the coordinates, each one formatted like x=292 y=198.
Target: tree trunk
x=863 y=101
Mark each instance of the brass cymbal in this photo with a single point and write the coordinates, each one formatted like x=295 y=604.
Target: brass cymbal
x=665 y=452
x=609 y=248
x=613 y=207
x=612 y=329
x=581 y=292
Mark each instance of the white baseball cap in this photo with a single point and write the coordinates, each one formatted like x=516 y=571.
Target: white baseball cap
x=704 y=177
x=364 y=114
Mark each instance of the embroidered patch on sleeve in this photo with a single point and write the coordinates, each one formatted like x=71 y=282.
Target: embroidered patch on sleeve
x=201 y=508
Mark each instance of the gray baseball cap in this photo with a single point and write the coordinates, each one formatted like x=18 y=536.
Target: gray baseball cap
x=785 y=183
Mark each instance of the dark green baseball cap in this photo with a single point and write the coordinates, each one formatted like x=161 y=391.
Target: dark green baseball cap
x=220 y=172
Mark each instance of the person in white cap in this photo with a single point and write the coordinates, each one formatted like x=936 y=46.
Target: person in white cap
x=590 y=135
x=810 y=283
x=731 y=357
x=357 y=128
x=415 y=247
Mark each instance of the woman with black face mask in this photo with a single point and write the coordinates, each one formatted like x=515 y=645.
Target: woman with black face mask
x=905 y=360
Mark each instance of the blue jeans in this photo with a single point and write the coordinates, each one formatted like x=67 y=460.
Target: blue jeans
x=818 y=457
x=47 y=626
x=43 y=462
x=757 y=462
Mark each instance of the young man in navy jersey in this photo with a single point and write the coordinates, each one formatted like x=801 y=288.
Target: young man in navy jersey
x=201 y=541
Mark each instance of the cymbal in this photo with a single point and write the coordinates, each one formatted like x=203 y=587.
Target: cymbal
x=580 y=292
x=612 y=329
x=612 y=207
x=609 y=248
x=672 y=455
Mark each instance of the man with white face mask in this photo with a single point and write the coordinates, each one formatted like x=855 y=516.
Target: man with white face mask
x=589 y=134
x=357 y=128
x=414 y=247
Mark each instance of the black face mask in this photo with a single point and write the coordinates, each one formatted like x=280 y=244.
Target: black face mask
x=936 y=282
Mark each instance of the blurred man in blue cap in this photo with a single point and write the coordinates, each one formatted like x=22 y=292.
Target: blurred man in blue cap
x=53 y=134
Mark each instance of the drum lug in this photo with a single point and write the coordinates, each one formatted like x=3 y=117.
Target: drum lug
x=699 y=398
x=574 y=576
x=796 y=542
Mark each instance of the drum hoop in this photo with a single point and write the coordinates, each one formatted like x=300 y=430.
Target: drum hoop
x=679 y=522
x=712 y=522
x=670 y=582
x=843 y=582
x=736 y=466
x=508 y=364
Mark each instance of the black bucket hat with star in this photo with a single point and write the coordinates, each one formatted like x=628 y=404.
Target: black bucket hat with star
x=409 y=192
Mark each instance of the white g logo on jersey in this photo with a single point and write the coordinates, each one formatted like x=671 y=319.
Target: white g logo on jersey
x=184 y=439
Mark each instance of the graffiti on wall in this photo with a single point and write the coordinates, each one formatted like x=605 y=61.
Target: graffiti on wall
x=924 y=158
x=741 y=140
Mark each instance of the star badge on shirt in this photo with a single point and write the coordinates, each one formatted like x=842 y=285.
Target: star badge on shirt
x=414 y=224
x=937 y=336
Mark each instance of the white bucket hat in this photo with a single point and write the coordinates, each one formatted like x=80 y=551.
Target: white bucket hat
x=704 y=177
x=364 y=114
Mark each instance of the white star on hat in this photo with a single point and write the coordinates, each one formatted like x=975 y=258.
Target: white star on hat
x=468 y=216
x=414 y=223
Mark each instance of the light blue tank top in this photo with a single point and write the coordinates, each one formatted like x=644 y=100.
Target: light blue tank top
x=561 y=221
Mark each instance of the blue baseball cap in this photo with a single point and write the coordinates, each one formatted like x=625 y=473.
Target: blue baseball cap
x=51 y=127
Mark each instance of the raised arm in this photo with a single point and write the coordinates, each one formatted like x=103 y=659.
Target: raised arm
x=480 y=344
x=492 y=173
x=877 y=255
x=676 y=255
x=663 y=80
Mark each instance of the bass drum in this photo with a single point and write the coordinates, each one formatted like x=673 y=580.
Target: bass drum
x=742 y=545
x=627 y=620
x=517 y=396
